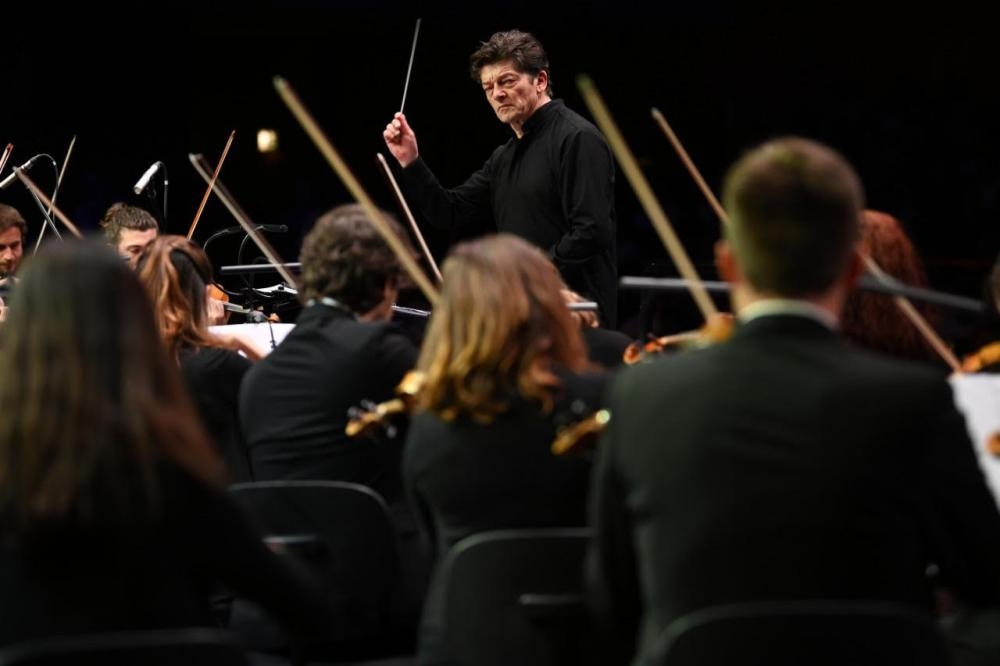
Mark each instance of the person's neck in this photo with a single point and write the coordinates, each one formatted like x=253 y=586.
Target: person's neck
x=827 y=305
x=518 y=127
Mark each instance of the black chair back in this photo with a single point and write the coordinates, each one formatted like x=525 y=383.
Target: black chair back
x=814 y=632
x=167 y=647
x=516 y=597
x=342 y=530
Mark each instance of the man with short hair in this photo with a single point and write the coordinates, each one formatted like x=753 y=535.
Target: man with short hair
x=784 y=463
x=552 y=183
x=129 y=229
x=12 y=231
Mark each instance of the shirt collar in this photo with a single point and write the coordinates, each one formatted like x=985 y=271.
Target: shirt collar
x=787 y=306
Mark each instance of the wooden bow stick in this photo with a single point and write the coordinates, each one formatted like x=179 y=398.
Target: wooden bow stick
x=352 y=184
x=55 y=191
x=408 y=214
x=904 y=305
x=211 y=183
x=646 y=197
x=6 y=156
x=30 y=184
x=202 y=167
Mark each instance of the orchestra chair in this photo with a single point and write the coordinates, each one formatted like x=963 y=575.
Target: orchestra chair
x=515 y=596
x=194 y=646
x=814 y=632
x=343 y=532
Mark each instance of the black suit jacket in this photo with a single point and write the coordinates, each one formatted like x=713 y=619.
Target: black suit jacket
x=785 y=464
x=294 y=403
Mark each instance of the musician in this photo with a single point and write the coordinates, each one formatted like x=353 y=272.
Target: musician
x=12 y=231
x=343 y=350
x=176 y=274
x=784 y=463
x=128 y=229
x=552 y=183
x=872 y=320
x=113 y=514
x=504 y=363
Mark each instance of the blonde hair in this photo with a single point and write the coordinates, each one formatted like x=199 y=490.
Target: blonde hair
x=500 y=328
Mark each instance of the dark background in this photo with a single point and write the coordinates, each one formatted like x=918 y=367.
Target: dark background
x=910 y=98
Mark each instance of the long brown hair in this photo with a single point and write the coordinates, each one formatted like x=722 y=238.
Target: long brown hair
x=175 y=273
x=90 y=401
x=500 y=329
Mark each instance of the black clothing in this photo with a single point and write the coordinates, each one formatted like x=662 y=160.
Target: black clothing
x=465 y=477
x=213 y=376
x=785 y=463
x=294 y=402
x=554 y=187
x=148 y=573
x=606 y=347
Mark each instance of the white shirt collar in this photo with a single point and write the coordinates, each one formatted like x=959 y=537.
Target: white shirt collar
x=787 y=306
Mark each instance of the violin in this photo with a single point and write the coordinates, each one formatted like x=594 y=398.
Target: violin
x=717 y=328
x=582 y=434
x=986 y=358
x=364 y=419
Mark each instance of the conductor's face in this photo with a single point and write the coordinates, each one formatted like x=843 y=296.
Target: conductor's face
x=513 y=95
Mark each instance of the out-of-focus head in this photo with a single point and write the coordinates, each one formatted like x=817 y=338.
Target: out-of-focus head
x=345 y=257
x=12 y=231
x=90 y=399
x=176 y=273
x=871 y=319
x=129 y=229
x=794 y=206
x=500 y=327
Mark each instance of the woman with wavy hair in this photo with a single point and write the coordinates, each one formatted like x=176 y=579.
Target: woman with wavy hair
x=504 y=365
x=112 y=509
x=176 y=273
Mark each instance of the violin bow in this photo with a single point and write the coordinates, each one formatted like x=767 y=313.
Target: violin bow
x=646 y=197
x=6 y=156
x=408 y=214
x=55 y=192
x=202 y=167
x=340 y=167
x=211 y=183
x=30 y=184
x=902 y=303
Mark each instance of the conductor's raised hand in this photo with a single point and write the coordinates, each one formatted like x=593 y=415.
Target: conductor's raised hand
x=401 y=141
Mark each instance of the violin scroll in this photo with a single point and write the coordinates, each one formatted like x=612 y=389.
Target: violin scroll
x=717 y=328
x=362 y=420
x=581 y=434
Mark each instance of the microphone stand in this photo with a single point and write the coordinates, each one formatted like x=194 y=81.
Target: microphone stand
x=151 y=193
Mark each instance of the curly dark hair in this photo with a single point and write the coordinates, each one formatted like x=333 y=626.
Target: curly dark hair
x=123 y=216
x=523 y=48
x=10 y=217
x=345 y=257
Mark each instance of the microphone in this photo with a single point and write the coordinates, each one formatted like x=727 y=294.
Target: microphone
x=144 y=179
x=24 y=167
